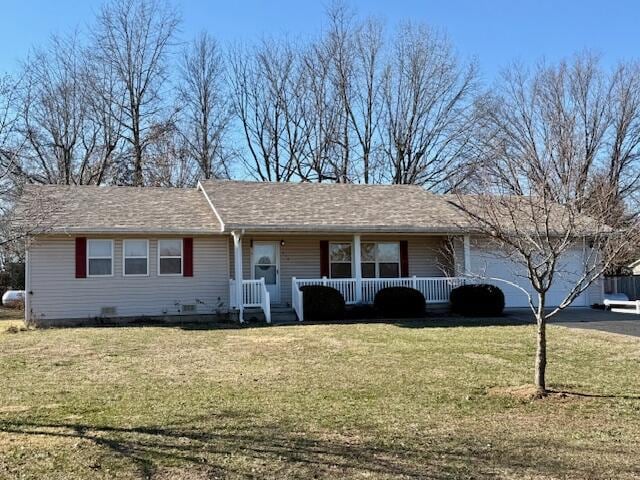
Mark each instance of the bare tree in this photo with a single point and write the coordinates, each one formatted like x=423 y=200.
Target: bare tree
x=169 y=161
x=8 y=128
x=54 y=117
x=267 y=102
x=426 y=126
x=104 y=102
x=132 y=39
x=364 y=107
x=205 y=106
x=355 y=50
x=546 y=141
x=15 y=224
x=337 y=47
x=323 y=116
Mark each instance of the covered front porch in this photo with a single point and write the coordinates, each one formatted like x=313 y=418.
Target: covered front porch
x=272 y=267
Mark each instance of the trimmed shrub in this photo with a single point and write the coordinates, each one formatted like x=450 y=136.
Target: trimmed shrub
x=481 y=300
x=399 y=302
x=322 y=303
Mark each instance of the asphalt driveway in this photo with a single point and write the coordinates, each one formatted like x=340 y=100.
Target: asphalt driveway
x=588 y=318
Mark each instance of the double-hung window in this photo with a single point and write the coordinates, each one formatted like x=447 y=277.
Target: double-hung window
x=135 y=258
x=380 y=260
x=99 y=258
x=170 y=257
x=340 y=260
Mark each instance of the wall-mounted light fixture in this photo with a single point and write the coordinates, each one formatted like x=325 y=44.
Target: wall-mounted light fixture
x=282 y=243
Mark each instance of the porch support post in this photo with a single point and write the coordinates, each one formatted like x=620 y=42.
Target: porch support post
x=467 y=254
x=237 y=264
x=357 y=260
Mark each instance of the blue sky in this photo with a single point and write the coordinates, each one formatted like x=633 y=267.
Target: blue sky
x=496 y=32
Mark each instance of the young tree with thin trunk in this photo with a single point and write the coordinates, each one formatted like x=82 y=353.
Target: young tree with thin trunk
x=545 y=140
x=133 y=38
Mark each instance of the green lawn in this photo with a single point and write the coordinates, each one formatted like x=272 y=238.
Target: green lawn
x=315 y=401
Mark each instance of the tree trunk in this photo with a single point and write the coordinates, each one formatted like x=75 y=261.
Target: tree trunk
x=541 y=349
x=138 y=178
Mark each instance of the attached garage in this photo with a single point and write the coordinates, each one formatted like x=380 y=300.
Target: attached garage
x=495 y=264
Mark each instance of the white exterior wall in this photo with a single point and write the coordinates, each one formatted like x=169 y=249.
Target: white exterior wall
x=300 y=256
x=484 y=262
x=57 y=294
x=595 y=292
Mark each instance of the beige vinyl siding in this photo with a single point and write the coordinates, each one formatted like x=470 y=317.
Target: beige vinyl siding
x=57 y=294
x=300 y=256
x=427 y=257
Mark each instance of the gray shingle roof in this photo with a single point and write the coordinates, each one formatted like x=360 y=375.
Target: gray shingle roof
x=252 y=206
x=258 y=206
x=87 y=209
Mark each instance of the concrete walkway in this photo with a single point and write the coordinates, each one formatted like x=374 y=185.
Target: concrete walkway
x=588 y=318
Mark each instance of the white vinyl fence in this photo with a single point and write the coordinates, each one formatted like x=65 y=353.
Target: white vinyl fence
x=629 y=285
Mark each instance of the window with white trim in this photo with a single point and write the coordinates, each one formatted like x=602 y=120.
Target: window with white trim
x=340 y=260
x=170 y=257
x=135 y=258
x=380 y=260
x=99 y=258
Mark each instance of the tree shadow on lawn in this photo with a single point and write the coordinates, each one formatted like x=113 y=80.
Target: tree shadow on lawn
x=250 y=451
x=439 y=321
x=435 y=321
x=573 y=393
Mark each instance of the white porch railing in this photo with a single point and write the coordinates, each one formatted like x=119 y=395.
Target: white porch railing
x=346 y=286
x=254 y=294
x=296 y=299
x=434 y=289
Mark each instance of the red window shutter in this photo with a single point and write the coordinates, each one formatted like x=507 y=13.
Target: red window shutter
x=81 y=257
x=187 y=247
x=404 y=258
x=324 y=258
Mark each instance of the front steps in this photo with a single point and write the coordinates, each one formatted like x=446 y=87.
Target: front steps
x=279 y=314
x=282 y=314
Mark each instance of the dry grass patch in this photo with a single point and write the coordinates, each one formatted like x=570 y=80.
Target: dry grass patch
x=316 y=401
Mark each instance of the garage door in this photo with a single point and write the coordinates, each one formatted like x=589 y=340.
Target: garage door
x=489 y=263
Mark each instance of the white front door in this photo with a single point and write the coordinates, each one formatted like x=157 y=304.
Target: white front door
x=265 y=263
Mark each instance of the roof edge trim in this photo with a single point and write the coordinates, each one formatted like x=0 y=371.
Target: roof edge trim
x=204 y=192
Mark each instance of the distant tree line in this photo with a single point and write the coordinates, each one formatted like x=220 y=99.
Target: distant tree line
x=128 y=102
